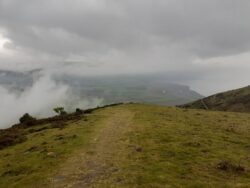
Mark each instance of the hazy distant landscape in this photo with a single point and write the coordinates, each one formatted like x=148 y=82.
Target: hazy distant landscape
x=86 y=92
x=154 y=89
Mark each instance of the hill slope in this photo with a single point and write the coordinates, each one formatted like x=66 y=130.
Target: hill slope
x=235 y=100
x=132 y=145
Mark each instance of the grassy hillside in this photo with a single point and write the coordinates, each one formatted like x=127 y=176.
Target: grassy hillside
x=236 y=100
x=132 y=145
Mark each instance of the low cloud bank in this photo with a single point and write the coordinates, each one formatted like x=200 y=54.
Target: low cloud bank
x=39 y=100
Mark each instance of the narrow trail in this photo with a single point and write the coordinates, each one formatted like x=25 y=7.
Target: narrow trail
x=101 y=159
x=204 y=104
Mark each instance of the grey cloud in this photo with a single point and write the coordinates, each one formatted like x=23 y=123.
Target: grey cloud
x=117 y=36
x=207 y=28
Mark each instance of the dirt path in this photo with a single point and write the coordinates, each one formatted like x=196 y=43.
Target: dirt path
x=98 y=163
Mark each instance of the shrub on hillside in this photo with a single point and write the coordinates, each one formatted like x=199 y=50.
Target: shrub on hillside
x=60 y=111
x=79 y=111
x=27 y=119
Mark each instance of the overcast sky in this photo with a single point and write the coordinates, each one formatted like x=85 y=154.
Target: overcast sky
x=202 y=43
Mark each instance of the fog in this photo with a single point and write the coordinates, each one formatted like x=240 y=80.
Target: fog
x=39 y=100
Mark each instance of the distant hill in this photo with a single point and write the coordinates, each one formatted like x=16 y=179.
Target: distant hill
x=17 y=81
x=235 y=100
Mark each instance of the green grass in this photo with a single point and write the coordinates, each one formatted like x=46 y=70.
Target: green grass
x=183 y=148
x=29 y=163
x=177 y=148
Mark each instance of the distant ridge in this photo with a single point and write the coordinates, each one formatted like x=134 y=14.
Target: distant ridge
x=237 y=100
